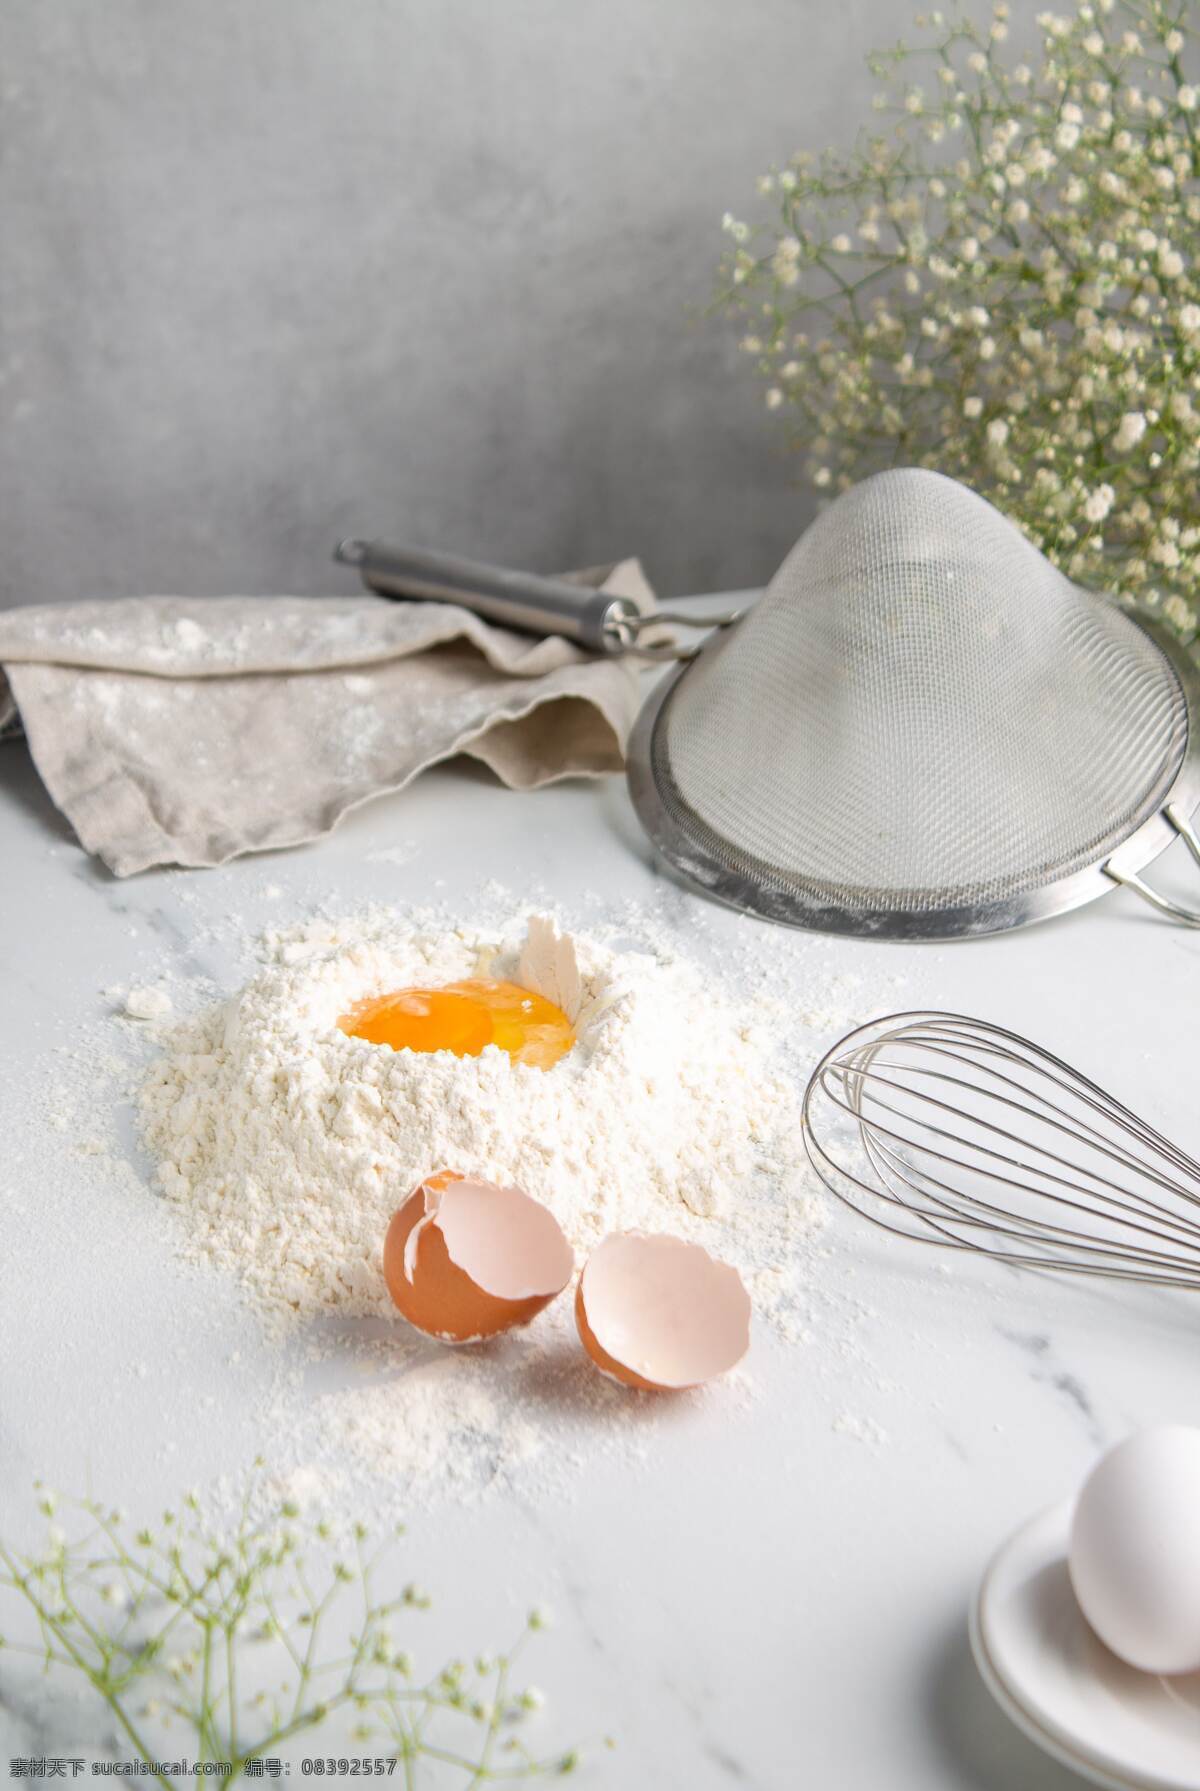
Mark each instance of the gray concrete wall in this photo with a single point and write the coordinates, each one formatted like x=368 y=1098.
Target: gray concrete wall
x=275 y=271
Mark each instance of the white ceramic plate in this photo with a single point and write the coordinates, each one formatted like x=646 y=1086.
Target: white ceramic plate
x=1058 y=1682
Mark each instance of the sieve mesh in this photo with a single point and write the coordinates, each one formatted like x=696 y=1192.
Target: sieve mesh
x=920 y=713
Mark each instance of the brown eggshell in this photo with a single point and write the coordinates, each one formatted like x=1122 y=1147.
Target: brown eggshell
x=658 y=1313
x=465 y=1259
x=616 y=1371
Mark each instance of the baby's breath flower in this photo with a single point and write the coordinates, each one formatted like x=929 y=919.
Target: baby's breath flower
x=1130 y=431
x=1025 y=311
x=1099 y=503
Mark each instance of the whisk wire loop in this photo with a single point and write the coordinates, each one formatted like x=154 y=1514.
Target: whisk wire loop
x=957 y=1132
x=1076 y=1170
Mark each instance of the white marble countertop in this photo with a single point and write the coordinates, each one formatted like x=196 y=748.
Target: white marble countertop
x=780 y=1603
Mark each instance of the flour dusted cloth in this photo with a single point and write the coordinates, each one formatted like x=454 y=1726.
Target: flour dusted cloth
x=174 y=731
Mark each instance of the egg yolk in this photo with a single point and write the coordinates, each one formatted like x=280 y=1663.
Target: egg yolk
x=463 y=1018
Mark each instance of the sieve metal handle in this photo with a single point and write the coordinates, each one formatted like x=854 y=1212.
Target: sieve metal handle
x=593 y=619
x=1189 y=917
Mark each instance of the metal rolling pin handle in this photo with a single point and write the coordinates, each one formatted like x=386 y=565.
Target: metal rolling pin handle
x=592 y=619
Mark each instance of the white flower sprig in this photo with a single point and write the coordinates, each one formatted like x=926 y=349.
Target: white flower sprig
x=165 y=1625
x=1005 y=285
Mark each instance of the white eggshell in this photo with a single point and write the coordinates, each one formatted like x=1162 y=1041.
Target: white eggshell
x=1135 y=1549
x=549 y=967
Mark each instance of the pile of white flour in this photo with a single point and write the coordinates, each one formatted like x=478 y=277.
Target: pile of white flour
x=286 y=1145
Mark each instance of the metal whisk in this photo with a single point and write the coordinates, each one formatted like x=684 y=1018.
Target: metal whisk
x=952 y=1131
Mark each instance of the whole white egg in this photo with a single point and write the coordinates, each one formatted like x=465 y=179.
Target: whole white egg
x=1135 y=1549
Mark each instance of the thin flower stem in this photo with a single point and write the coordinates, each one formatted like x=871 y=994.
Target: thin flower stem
x=203 y=1594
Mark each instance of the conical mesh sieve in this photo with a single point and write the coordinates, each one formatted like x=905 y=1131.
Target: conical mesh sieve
x=922 y=729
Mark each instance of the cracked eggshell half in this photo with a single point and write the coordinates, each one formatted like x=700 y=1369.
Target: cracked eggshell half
x=659 y=1313
x=465 y=1259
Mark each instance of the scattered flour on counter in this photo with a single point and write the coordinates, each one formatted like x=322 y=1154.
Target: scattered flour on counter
x=147 y=1004
x=286 y=1145
x=402 y=854
x=525 y=1415
x=862 y=1429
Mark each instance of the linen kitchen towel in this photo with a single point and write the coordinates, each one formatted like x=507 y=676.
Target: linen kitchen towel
x=171 y=730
